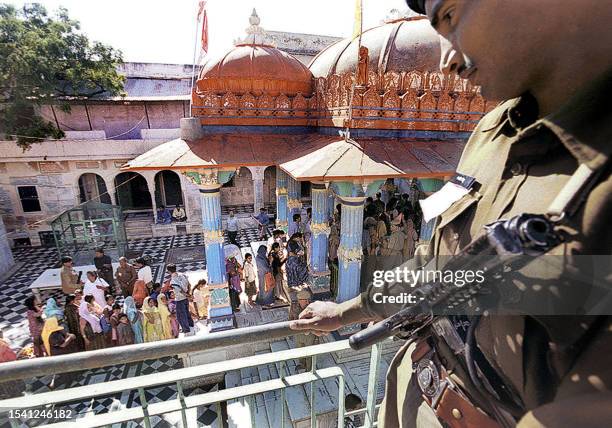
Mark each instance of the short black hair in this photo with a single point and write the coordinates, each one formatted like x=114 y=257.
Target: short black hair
x=29 y=302
x=116 y=306
x=109 y=296
x=297 y=217
x=171 y=268
x=89 y=298
x=156 y=285
x=66 y=259
x=247 y=255
x=100 y=250
x=70 y=298
x=122 y=315
x=417 y=5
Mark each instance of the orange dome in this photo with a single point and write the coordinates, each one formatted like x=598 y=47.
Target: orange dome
x=401 y=45
x=258 y=69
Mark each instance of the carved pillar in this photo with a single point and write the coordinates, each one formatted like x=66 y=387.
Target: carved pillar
x=258 y=175
x=331 y=199
x=151 y=186
x=352 y=196
x=294 y=191
x=319 y=228
x=281 y=199
x=209 y=184
x=6 y=255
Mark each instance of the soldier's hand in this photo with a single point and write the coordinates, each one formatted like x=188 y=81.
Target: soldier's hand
x=319 y=318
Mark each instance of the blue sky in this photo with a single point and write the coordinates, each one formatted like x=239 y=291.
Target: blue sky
x=163 y=30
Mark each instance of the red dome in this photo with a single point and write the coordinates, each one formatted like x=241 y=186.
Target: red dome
x=258 y=69
x=402 y=45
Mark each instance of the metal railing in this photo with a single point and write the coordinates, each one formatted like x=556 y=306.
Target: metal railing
x=127 y=354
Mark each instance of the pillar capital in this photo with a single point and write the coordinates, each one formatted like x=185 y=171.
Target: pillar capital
x=208 y=179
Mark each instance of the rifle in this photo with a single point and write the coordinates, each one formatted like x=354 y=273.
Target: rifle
x=503 y=243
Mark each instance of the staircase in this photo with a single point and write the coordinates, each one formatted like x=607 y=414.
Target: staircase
x=138 y=227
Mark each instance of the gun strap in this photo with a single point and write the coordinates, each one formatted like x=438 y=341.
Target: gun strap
x=575 y=191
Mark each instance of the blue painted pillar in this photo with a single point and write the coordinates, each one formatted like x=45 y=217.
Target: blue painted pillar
x=352 y=196
x=350 y=250
x=281 y=199
x=320 y=228
x=209 y=184
x=331 y=206
x=294 y=193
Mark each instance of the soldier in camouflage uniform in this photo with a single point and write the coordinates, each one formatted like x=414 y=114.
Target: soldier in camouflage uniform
x=551 y=62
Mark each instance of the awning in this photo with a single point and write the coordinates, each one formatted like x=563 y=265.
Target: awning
x=374 y=158
x=308 y=156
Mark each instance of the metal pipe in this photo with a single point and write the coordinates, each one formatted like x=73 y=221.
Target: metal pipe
x=24 y=369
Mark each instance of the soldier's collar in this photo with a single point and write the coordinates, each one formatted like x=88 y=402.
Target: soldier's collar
x=584 y=123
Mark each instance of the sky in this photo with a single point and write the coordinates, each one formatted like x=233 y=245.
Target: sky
x=164 y=30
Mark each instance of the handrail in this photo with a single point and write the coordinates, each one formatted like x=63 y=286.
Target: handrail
x=24 y=369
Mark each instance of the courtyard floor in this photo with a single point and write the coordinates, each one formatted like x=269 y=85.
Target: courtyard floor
x=31 y=262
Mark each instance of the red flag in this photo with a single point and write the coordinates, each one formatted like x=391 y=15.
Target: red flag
x=202 y=15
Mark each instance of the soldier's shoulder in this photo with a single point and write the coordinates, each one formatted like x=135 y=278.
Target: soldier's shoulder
x=496 y=116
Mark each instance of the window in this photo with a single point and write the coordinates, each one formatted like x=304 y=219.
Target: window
x=29 y=199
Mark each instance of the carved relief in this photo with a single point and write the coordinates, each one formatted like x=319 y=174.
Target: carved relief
x=362 y=67
x=248 y=104
x=229 y=103
x=264 y=105
x=283 y=105
x=371 y=98
x=392 y=103
x=299 y=105
x=392 y=81
x=373 y=80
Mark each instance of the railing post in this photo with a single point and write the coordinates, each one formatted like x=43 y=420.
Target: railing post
x=144 y=404
x=341 y=402
x=372 y=381
x=313 y=411
x=181 y=396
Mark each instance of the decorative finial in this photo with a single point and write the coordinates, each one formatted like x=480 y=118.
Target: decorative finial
x=254 y=19
x=255 y=34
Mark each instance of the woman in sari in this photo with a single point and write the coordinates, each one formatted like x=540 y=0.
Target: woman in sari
x=52 y=310
x=35 y=322
x=151 y=325
x=12 y=388
x=232 y=268
x=276 y=264
x=264 y=297
x=297 y=270
x=164 y=313
x=90 y=325
x=140 y=292
x=72 y=319
x=129 y=307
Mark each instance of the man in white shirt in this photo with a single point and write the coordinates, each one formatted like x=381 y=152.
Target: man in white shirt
x=232 y=228
x=144 y=272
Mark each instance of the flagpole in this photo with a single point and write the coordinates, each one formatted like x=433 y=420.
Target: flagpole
x=193 y=73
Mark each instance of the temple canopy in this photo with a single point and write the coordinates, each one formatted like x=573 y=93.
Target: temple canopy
x=308 y=156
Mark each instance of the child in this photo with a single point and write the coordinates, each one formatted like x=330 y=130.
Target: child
x=201 y=296
x=249 y=279
x=155 y=292
x=114 y=322
x=164 y=313
x=173 y=320
x=125 y=334
x=152 y=321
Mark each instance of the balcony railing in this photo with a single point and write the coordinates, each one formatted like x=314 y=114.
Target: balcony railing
x=127 y=354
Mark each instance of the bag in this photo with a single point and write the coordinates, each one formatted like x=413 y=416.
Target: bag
x=105 y=325
x=269 y=281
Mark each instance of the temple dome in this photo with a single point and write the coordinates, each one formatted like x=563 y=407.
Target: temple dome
x=401 y=45
x=258 y=69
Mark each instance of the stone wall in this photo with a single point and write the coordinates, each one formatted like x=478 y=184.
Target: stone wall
x=241 y=193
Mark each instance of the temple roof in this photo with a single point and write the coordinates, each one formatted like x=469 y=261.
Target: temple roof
x=406 y=44
x=308 y=156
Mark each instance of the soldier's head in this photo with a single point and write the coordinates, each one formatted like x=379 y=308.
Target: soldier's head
x=513 y=47
x=67 y=261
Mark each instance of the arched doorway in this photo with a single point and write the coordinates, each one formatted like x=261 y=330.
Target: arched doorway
x=168 y=190
x=269 y=186
x=93 y=188
x=132 y=192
